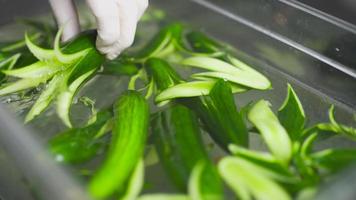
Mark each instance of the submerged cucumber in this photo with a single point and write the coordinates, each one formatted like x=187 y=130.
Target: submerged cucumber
x=220 y=116
x=201 y=43
x=180 y=147
x=131 y=115
x=77 y=145
x=162 y=73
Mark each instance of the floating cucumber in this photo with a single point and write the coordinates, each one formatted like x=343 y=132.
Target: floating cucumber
x=201 y=43
x=77 y=145
x=162 y=73
x=131 y=116
x=120 y=67
x=180 y=148
x=220 y=116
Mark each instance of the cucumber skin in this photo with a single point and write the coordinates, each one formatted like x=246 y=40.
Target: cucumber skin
x=77 y=145
x=131 y=117
x=219 y=115
x=200 y=42
x=177 y=139
x=92 y=60
x=153 y=44
x=180 y=147
x=162 y=73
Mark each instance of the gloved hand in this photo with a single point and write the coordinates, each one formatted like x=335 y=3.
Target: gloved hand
x=116 y=22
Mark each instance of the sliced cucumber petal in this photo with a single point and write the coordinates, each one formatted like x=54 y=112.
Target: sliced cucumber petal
x=271 y=165
x=211 y=64
x=10 y=62
x=242 y=78
x=263 y=156
x=220 y=69
x=194 y=181
x=65 y=98
x=39 y=52
x=45 y=98
x=245 y=177
x=66 y=58
x=191 y=89
x=274 y=134
x=21 y=85
x=291 y=115
x=238 y=63
x=36 y=70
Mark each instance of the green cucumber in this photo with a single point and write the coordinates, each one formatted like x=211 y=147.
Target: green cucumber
x=77 y=145
x=131 y=115
x=163 y=75
x=161 y=42
x=91 y=61
x=120 y=67
x=170 y=85
x=201 y=43
x=291 y=115
x=220 y=116
x=180 y=148
x=333 y=160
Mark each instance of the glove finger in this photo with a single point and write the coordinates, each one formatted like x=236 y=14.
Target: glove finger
x=128 y=12
x=107 y=17
x=142 y=6
x=66 y=16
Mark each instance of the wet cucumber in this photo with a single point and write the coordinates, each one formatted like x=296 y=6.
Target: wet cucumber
x=131 y=116
x=162 y=73
x=77 y=145
x=220 y=116
x=92 y=60
x=180 y=148
x=201 y=43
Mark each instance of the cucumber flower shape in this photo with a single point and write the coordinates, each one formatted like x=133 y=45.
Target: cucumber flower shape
x=62 y=70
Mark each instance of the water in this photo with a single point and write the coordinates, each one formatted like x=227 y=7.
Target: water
x=48 y=124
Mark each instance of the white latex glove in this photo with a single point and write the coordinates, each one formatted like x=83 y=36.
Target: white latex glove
x=116 y=22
